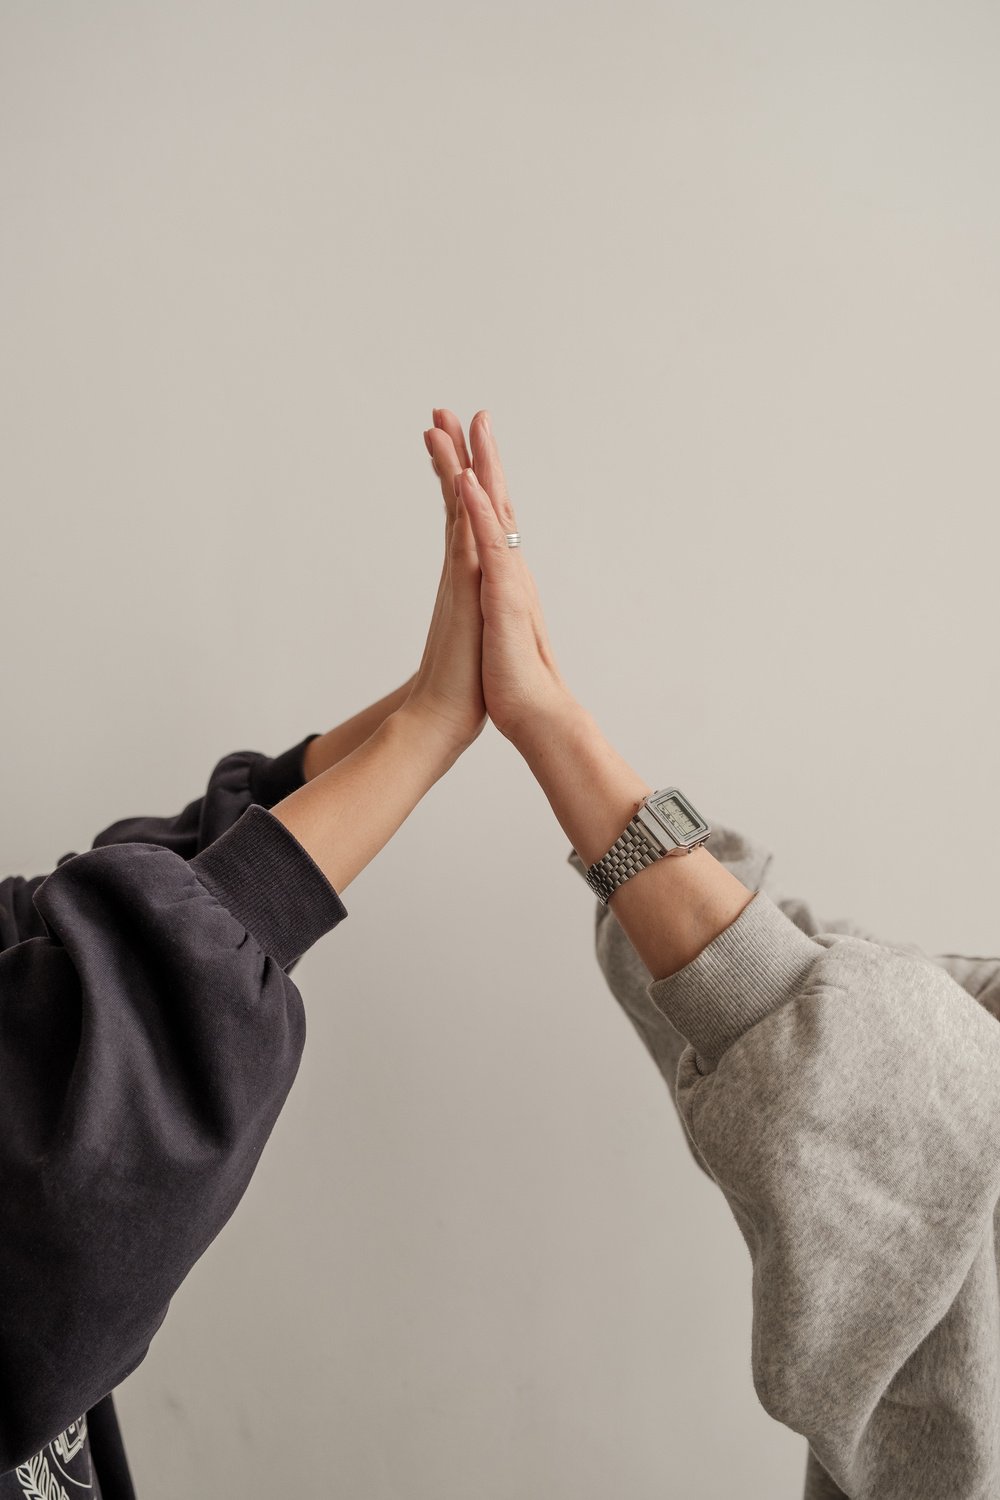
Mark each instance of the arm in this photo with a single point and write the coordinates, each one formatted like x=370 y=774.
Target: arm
x=344 y=816
x=628 y=977
x=149 y=1034
x=324 y=750
x=845 y=1096
x=247 y=777
x=238 y=781
x=147 y=1044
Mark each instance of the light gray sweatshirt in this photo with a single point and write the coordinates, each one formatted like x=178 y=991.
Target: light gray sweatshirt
x=844 y=1094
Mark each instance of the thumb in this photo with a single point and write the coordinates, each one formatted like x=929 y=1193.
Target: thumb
x=495 y=558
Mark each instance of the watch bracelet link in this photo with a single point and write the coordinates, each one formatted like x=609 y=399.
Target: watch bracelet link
x=630 y=853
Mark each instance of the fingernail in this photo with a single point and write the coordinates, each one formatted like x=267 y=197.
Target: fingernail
x=486 y=421
x=475 y=489
x=457 y=483
x=427 y=442
x=436 y=414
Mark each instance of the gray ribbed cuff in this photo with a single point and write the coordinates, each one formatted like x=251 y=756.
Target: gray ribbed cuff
x=261 y=873
x=757 y=962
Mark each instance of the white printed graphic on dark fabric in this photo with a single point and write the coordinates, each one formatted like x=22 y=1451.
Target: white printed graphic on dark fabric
x=65 y=1462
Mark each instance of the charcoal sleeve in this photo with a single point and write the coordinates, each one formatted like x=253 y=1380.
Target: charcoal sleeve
x=149 y=1035
x=239 y=780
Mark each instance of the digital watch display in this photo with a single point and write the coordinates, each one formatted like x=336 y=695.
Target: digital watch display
x=670 y=812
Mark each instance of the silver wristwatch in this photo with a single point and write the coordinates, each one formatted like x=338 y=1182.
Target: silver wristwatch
x=666 y=823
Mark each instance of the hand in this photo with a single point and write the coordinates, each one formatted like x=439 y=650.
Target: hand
x=447 y=687
x=336 y=744
x=522 y=685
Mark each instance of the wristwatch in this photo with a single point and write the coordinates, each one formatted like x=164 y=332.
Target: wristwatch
x=666 y=823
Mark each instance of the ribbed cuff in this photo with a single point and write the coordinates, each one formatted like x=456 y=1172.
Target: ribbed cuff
x=261 y=873
x=757 y=962
x=272 y=778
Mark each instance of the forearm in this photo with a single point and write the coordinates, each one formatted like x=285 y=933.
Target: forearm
x=344 y=815
x=327 y=749
x=673 y=909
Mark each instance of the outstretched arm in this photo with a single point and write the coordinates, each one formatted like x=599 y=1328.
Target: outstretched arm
x=247 y=777
x=752 y=863
x=237 y=781
x=844 y=1094
x=149 y=1034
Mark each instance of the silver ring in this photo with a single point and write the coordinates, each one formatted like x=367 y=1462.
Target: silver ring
x=512 y=538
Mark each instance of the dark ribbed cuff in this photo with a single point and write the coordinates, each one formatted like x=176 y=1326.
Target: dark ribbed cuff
x=272 y=778
x=757 y=962
x=261 y=873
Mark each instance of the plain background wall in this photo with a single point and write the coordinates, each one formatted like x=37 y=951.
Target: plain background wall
x=726 y=277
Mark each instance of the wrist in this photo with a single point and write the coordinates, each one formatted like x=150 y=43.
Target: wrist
x=430 y=734
x=552 y=724
x=591 y=789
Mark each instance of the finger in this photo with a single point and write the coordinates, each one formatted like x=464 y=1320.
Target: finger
x=491 y=545
x=489 y=470
x=462 y=547
x=447 y=422
x=446 y=465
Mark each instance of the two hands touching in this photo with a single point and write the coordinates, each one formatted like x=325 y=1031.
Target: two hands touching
x=488 y=654
x=505 y=667
x=487 y=651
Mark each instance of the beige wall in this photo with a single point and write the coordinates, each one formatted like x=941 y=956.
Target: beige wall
x=726 y=276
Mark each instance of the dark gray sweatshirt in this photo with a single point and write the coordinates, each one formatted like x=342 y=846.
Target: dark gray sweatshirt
x=149 y=1034
x=844 y=1093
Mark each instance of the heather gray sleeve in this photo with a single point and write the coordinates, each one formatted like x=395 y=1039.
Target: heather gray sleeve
x=751 y=862
x=845 y=1096
x=627 y=976
x=979 y=975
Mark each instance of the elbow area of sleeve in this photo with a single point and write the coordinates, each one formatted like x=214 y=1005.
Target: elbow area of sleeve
x=261 y=873
x=746 y=972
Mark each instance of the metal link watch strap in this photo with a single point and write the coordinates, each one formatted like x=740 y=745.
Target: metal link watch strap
x=630 y=853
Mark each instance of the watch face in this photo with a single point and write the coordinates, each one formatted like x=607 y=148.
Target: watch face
x=678 y=815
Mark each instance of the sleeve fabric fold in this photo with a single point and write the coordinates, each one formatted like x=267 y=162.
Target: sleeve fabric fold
x=844 y=1094
x=149 y=1035
x=239 y=780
